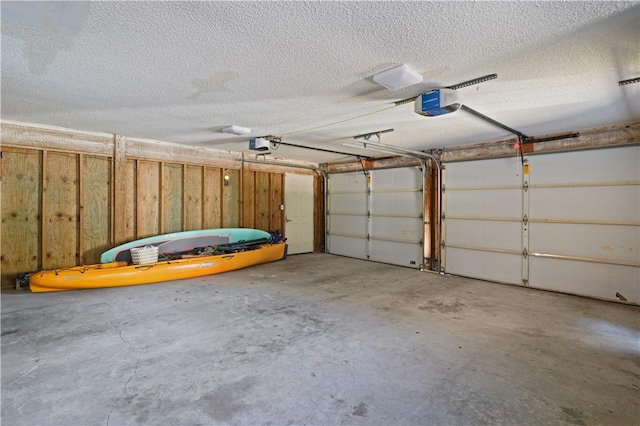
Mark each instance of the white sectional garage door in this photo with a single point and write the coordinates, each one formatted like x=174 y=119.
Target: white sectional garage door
x=585 y=223
x=566 y=222
x=483 y=219
x=377 y=217
x=347 y=215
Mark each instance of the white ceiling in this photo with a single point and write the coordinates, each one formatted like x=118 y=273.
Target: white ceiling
x=181 y=71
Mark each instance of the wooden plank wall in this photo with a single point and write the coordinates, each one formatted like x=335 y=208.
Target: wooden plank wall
x=21 y=200
x=192 y=215
x=211 y=199
x=231 y=198
x=172 y=206
x=318 y=217
x=55 y=210
x=262 y=207
x=60 y=209
x=95 y=202
x=58 y=205
x=148 y=201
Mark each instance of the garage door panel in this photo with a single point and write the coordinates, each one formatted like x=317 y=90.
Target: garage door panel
x=387 y=203
x=397 y=228
x=485 y=203
x=579 y=221
x=586 y=240
x=349 y=225
x=613 y=164
x=395 y=253
x=494 y=172
x=491 y=266
x=385 y=211
x=581 y=203
x=584 y=211
x=593 y=279
x=406 y=177
x=347 y=181
x=492 y=234
x=348 y=246
x=349 y=203
x=483 y=220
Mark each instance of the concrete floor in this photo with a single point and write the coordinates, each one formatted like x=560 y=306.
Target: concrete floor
x=319 y=340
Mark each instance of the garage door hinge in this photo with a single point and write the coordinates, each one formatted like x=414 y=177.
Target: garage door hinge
x=525 y=219
x=443 y=216
x=525 y=282
x=525 y=253
x=442 y=244
x=525 y=186
x=443 y=188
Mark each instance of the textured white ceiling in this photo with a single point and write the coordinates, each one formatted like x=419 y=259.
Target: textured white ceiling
x=181 y=71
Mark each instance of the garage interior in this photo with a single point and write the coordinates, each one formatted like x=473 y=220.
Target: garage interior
x=476 y=262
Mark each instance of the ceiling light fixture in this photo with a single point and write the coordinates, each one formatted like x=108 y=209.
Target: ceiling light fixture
x=237 y=130
x=397 y=78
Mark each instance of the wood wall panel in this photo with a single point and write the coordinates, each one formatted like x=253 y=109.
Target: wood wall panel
x=119 y=173
x=95 y=208
x=148 y=199
x=172 y=198
x=248 y=199
x=58 y=205
x=193 y=198
x=129 y=231
x=211 y=199
x=318 y=216
x=276 y=221
x=263 y=202
x=60 y=210
x=21 y=191
x=231 y=200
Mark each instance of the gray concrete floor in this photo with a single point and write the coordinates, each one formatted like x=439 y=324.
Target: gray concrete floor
x=318 y=340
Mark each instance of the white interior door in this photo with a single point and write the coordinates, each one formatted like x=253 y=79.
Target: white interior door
x=298 y=212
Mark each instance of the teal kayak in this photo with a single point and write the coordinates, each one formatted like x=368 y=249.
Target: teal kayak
x=183 y=241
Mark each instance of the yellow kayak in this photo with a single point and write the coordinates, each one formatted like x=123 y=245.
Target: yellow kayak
x=117 y=274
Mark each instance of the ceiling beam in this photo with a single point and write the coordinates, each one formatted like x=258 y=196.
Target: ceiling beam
x=599 y=137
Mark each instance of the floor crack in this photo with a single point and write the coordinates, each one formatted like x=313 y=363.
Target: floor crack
x=135 y=367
